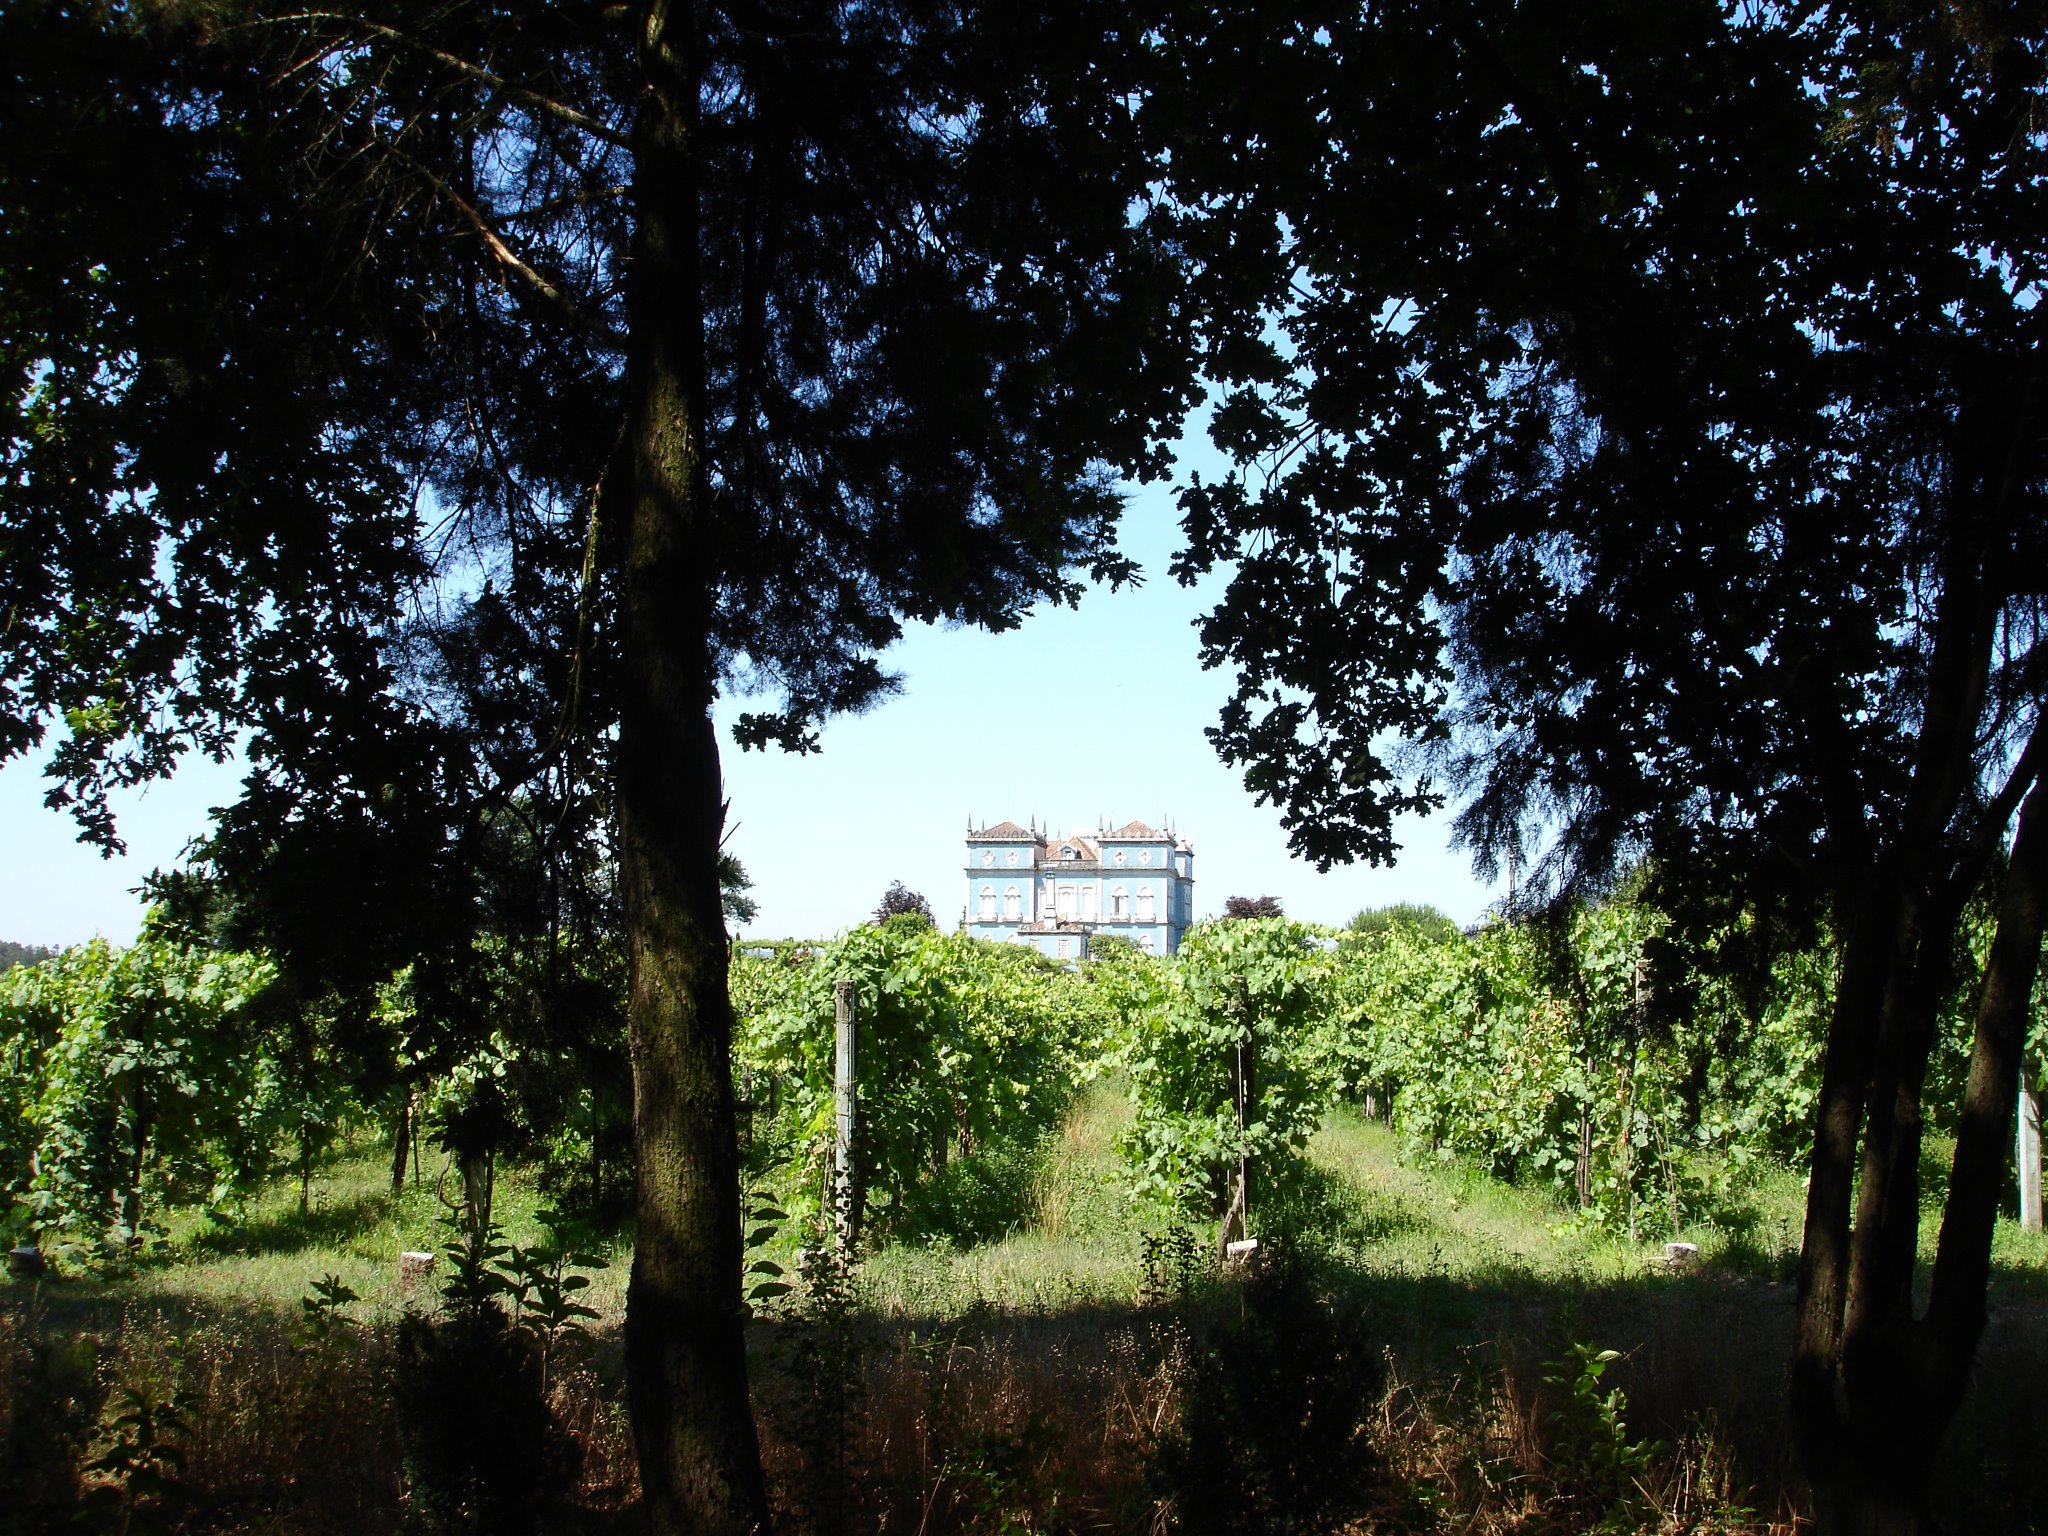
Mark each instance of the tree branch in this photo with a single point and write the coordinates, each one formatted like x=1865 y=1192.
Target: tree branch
x=564 y=303
x=554 y=108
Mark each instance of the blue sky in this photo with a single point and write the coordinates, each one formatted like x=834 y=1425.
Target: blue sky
x=1080 y=715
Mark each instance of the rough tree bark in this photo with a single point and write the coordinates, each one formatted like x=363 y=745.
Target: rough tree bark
x=1874 y=1387
x=693 y=1424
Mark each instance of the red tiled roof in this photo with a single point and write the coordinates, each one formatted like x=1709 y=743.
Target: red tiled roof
x=1005 y=830
x=1135 y=830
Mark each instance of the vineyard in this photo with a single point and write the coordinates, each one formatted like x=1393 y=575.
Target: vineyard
x=1633 y=1082
x=1431 y=1136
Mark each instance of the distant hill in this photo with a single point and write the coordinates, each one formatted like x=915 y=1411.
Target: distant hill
x=13 y=954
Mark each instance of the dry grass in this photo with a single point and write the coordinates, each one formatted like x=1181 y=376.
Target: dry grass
x=1024 y=1384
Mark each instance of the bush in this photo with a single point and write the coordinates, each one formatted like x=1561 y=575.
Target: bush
x=1271 y=1438
x=482 y=1449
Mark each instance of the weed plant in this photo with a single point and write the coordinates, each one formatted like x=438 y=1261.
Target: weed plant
x=825 y=1358
x=49 y=1400
x=1271 y=1435
x=482 y=1450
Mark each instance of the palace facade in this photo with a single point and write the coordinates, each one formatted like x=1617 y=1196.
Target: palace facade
x=1026 y=887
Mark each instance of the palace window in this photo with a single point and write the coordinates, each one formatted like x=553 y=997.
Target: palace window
x=1117 y=902
x=1013 y=905
x=1145 y=904
x=988 y=903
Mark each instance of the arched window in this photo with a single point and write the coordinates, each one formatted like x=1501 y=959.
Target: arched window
x=1145 y=942
x=1145 y=904
x=988 y=903
x=1119 y=906
x=1013 y=905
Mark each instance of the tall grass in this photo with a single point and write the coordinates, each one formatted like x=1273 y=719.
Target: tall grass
x=1025 y=1377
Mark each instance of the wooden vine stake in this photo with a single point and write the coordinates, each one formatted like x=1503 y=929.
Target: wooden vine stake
x=842 y=1103
x=1240 y=1212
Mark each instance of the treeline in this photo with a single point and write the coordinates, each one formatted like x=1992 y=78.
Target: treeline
x=13 y=954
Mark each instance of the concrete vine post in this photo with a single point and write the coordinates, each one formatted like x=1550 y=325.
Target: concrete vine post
x=2028 y=1150
x=843 y=1110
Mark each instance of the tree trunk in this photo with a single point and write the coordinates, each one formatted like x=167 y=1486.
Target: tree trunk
x=686 y=1367
x=401 y=1142
x=477 y=1188
x=1874 y=1388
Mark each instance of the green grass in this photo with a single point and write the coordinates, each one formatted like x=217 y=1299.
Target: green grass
x=1049 y=1228
x=353 y=1226
x=1036 y=1297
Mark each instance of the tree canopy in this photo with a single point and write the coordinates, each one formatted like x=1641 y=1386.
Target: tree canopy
x=900 y=901
x=446 y=402
x=1239 y=908
x=1636 y=423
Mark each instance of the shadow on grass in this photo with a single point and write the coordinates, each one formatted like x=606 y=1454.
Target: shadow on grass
x=1702 y=1355
x=1333 y=1218
x=293 y=1230
x=981 y=1198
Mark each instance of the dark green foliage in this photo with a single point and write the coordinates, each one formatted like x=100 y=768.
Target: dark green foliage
x=825 y=1352
x=1597 y=1468
x=48 y=1401
x=1009 y=1480
x=763 y=1281
x=1271 y=1439
x=979 y=1198
x=1169 y=1260
x=1636 y=425
x=733 y=884
x=322 y=1312
x=900 y=901
x=135 y=1481
x=13 y=954
x=458 y=413
x=1421 y=917
x=483 y=1451
x=1238 y=907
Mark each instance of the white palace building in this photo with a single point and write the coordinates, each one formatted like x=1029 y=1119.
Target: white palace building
x=1025 y=887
